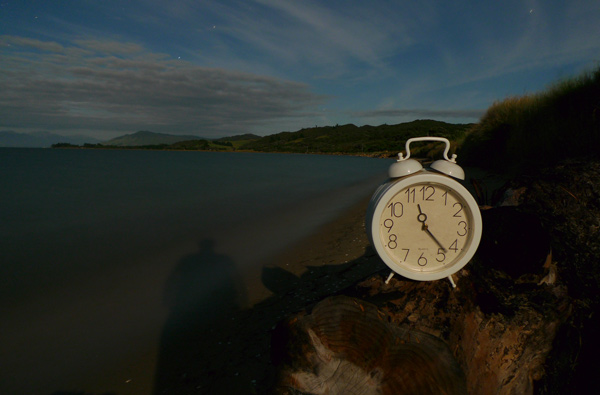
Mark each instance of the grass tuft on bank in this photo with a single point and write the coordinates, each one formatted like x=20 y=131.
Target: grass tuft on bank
x=538 y=129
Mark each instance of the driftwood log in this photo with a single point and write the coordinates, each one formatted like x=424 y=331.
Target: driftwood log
x=347 y=346
x=521 y=320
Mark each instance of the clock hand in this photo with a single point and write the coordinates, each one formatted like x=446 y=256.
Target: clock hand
x=422 y=218
x=433 y=237
x=421 y=215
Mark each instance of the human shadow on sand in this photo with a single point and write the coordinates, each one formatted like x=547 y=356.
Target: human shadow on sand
x=202 y=294
x=222 y=349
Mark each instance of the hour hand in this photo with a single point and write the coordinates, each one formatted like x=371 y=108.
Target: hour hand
x=422 y=217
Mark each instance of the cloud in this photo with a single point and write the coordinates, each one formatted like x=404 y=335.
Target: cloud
x=507 y=39
x=110 y=47
x=335 y=32
x=25 y=42
x=110 y=86
x=310 y=39
x=419 y=51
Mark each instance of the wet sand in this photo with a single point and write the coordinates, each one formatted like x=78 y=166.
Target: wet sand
x=226 y=350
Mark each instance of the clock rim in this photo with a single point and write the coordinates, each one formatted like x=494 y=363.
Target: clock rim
x=386 y=192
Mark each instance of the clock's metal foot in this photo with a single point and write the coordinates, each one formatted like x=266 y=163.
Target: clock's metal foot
x=451 y=281
x=389 y=277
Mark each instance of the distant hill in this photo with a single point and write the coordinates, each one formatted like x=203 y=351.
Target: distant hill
x=144 y=138
x=356 y=140
x=383 y=140
x=9 y=138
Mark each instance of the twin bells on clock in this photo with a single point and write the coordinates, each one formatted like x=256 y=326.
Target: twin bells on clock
x=406 y=166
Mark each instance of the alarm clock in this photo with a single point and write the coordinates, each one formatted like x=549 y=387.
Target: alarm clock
x=423 y=223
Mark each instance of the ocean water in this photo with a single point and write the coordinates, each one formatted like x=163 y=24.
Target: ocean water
x=89 y=240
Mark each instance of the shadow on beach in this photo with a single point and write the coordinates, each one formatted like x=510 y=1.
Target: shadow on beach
x=230 y=353
x=202 y=295
x=223 y=349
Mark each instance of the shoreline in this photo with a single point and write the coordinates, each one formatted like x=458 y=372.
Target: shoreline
x=337 y=242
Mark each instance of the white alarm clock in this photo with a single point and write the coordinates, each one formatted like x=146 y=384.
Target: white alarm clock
x=423 y=223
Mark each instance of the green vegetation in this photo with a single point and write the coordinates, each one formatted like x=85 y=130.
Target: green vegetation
x=538 y=129
x=383 y=140
x=240 y=137
x=145 y=138
x=188 y=145
x=64 y=145
x=236 y=142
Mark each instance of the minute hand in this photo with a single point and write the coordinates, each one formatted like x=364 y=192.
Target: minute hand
x=426 y=229
x=422 y=217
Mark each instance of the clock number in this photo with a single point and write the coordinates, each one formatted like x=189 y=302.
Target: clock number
x=463 y=229
x=445 y=196
x=422 y=261
x=425 y=190
x=392 y=242
x=454 y=246
x=441 y=252
x=396 y=209
x=406 y=256
x=410 y=192
x=460 y=207
x=389 y=224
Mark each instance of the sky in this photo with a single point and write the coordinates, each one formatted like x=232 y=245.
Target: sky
x=222 y=68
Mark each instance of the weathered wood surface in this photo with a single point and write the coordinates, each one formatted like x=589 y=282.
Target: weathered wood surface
x=348 y=346
x=521 y=320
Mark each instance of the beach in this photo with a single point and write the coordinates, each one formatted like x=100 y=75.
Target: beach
x=229 y=351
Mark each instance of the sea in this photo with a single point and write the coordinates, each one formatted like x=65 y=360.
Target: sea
x=89 y=240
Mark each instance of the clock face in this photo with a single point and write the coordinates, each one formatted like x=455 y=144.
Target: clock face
x=428 y=229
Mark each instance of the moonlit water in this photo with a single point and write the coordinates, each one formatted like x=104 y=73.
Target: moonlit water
x=90 y=238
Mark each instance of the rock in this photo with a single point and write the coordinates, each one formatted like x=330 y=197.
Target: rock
x=513 y=241
x=566 y=199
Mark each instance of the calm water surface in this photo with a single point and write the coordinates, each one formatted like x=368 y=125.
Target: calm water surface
x=90 y=238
